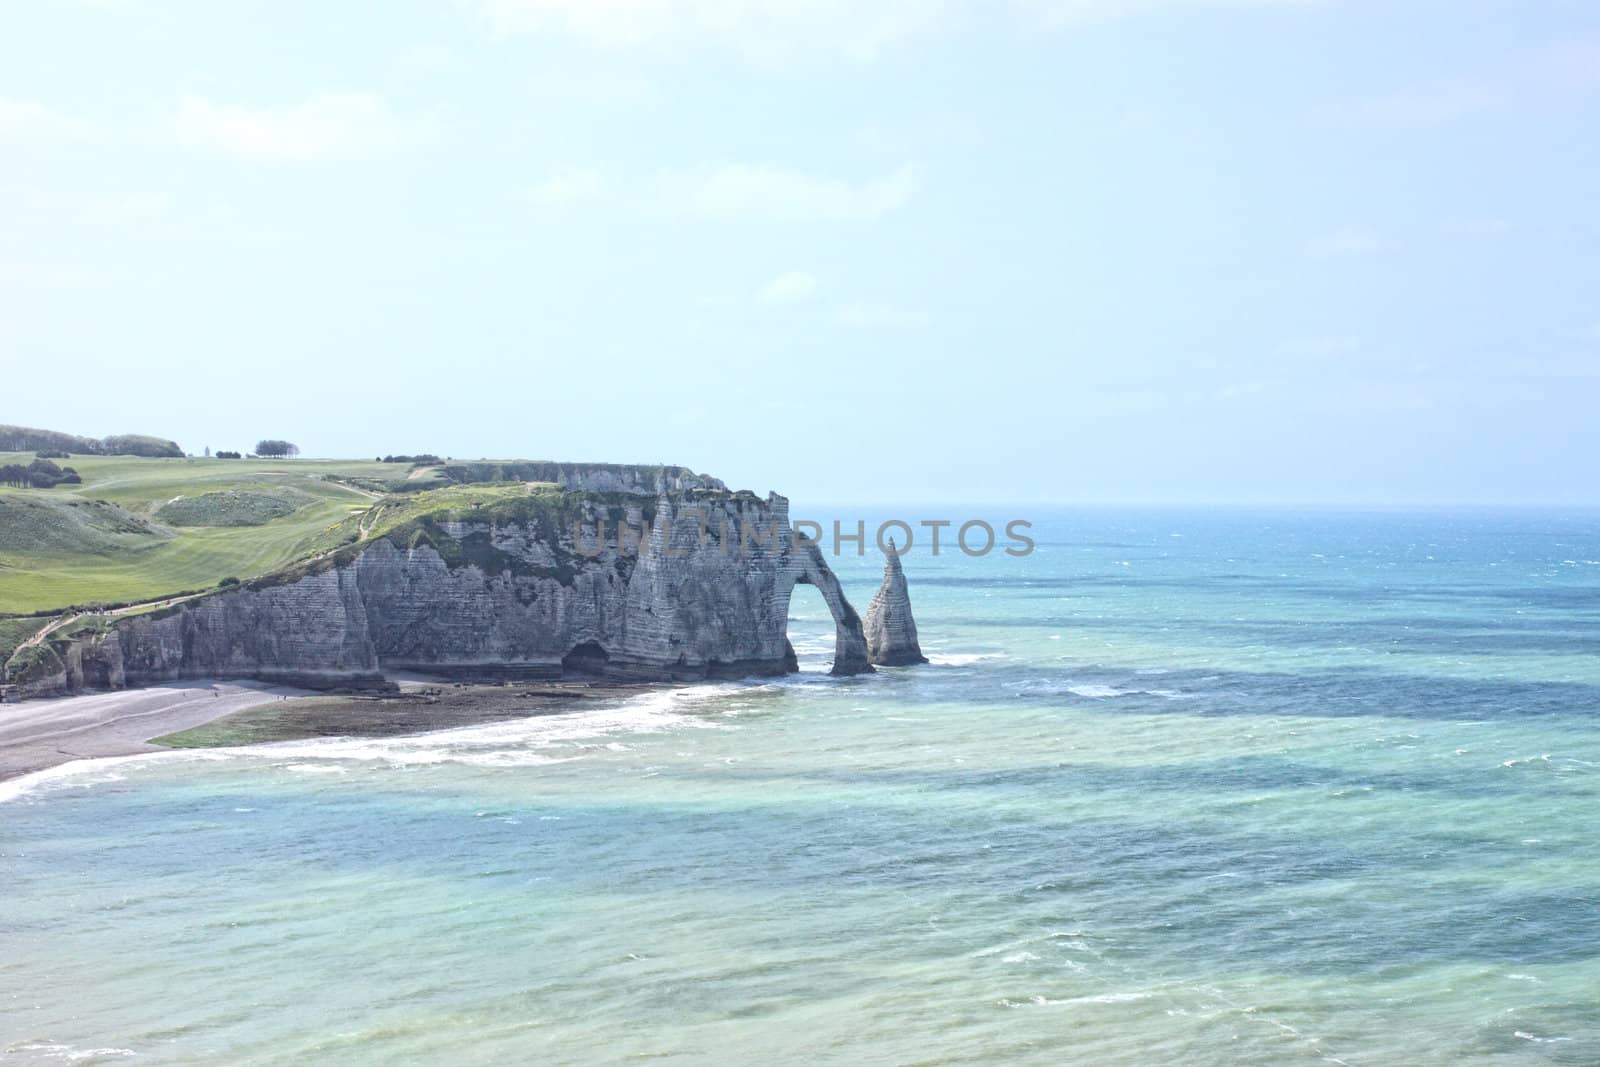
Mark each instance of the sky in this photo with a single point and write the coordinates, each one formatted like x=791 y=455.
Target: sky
x=1048 y=251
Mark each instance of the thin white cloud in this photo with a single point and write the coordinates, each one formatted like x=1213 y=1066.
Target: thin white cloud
x=791 y=287
x=569 y=187
x=761 y=31
x=728 y=192
x=425 y=61
x=746 y=191
x=328 y=126
x=867 y=316
x=1349 y=242
x=1432 y=106
x=29 y=117
x=1057 y=13
x=593 y=84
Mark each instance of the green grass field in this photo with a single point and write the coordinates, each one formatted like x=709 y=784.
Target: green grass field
x=140 y=531
x=59 y=548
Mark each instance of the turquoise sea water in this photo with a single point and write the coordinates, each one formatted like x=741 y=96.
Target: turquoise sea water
x=1180 y=787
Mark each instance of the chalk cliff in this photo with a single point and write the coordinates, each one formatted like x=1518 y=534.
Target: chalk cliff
x=891 y=632
x=678 y=584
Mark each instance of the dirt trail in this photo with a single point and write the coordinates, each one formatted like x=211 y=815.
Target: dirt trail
x=368 y=493
x=67 y=620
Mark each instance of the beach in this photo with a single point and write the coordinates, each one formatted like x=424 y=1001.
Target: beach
x=37 y=735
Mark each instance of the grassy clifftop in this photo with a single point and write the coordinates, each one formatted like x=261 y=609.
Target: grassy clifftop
x=144 y=529
x=141 y=528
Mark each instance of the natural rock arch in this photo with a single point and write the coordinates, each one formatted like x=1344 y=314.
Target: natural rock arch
x=849 y=641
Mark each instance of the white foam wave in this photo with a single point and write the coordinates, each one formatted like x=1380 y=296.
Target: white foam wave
x=1099 y=998
x=537 y=741
x=71 y=1053
x=87 y=773
x=1090 y=690
x=1109 y=998
x=1100 y=692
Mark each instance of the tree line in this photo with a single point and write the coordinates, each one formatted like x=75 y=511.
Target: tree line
x=40 y=474
x=268 y=448
x=28 y=439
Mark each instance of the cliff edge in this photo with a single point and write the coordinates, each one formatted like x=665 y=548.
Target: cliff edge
x=489 y=582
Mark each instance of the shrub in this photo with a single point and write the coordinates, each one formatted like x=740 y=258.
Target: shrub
x=138 y=444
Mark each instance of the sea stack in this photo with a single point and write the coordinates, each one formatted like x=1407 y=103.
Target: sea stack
x=890 y=630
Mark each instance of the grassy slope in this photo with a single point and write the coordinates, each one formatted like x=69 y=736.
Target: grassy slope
x=54 y=555
x=183 y=558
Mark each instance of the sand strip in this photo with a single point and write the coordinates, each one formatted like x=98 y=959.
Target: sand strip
x=38 y=734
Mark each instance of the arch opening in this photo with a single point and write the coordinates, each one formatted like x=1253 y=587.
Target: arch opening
x=811 y=632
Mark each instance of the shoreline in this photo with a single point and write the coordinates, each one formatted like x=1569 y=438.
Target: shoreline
x=41 y=735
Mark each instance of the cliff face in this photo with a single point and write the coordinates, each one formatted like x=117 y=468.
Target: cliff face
x=891 y=632
x=571 y=583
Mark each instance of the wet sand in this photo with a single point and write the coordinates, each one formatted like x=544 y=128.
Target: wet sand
x=38 y=734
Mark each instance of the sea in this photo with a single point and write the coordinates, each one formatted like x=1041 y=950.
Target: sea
x=1179 y=786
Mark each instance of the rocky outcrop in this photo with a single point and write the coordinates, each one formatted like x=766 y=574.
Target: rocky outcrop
x=891 y=632
x=686 y=585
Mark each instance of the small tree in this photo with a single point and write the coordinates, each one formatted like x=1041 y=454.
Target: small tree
x=277 y=448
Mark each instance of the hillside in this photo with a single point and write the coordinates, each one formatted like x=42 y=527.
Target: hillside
x=140 y=528
x=475 y=582
x=143 y=529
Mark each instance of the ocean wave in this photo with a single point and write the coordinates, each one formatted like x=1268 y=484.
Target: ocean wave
x=1097 y=998
x=532 y=742
x=1089 y=690
x=1524 y=1035
x=87 y=773
x=962 y=659
x=55 y=1050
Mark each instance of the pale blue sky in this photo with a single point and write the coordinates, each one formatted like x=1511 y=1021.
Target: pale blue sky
x=1051 y=250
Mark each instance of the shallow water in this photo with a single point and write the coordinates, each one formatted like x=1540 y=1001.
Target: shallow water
x=1209 y=788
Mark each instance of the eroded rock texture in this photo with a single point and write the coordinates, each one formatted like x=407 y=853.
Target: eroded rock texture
x=682 y=585
x=891 y=632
